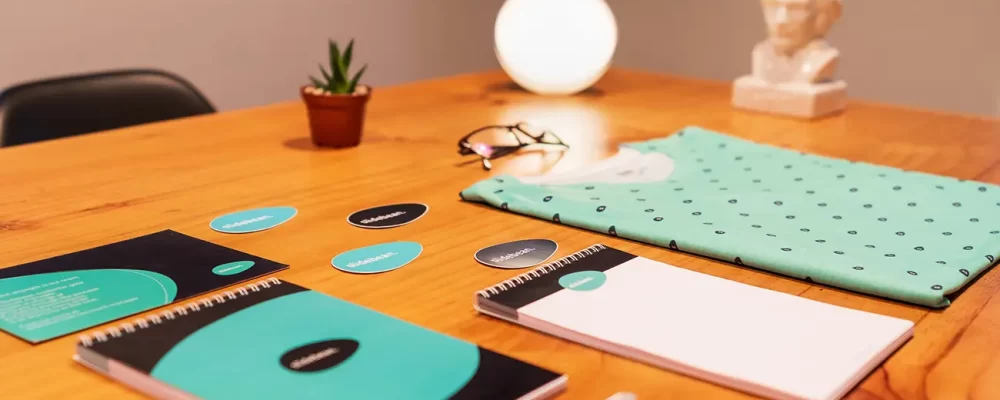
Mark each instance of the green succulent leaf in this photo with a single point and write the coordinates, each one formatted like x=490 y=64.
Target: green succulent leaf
x=326 y=75
x=317 y=83
x=339 y=78
x=357 y=78
x=348 y=54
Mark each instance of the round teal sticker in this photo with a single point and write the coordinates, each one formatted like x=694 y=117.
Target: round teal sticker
x=377 y=258
x=583 y=281
x=254 y=220
x=232 y=268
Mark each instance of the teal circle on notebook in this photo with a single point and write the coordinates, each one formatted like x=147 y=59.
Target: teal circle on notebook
x=232 y=268
x=377 y=258
x=238 y=357
x=583 y=281
x=255 y=220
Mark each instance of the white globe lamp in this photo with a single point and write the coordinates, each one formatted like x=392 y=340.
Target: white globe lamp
x=555 y=46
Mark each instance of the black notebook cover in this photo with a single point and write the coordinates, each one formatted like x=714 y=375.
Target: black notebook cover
x=45 y=299
x=274 y=339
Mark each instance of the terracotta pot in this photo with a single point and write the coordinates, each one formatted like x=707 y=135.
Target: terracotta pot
x=337 y=120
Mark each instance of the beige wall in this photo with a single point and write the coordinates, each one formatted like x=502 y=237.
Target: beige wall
x=934 y=54
x=243 y=53
x=927 y=53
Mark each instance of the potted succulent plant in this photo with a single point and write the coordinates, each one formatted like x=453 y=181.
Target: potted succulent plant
x=336 y=103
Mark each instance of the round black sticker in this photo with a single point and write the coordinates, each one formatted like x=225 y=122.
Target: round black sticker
x=319 y=356
x=517 y=254
x=387 y=216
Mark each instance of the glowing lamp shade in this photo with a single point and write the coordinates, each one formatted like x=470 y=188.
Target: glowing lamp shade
x=555 y=46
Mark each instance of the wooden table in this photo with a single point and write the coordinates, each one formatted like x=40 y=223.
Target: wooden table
x=68 y=195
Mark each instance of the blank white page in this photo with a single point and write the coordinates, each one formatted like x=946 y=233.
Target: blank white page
x=799 y=347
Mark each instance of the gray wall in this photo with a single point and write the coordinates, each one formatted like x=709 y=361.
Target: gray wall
x=244 y=53
x=934 y=54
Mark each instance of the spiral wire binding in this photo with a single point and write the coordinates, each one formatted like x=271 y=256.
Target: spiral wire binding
x=171 y=314
x=538 y=272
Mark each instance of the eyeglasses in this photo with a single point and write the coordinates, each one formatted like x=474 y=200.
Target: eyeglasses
x=495 y=141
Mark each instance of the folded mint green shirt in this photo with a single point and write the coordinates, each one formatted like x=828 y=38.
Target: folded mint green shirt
x=902 y=235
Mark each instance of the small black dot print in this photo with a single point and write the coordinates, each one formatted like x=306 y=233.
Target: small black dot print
x=713 y=181
x=974 y=220
x=911 y=204
x=547 y=199
x=785 y=249
x=868 y=206
x=929 y=220
x=810 y=192
x=589 y=188
x=912 y=273
x=900 y=233
x=841 y=176
x=640 y=199
x=798 y=179
x=956 y=204
x=967 y=248
x=789 y=166
x=941 y=262
x=870 y=246
x=994 y=232
x=964 y=271
x=652 y=147
x=699 y=160
x=650 y=210
x=720 y=233
x=822 y=204
x=755 y=226
x=937 y=287
x=504 y=206
x=748 y=169
x=890 y=255
x=804 y=229
x=882 y=219
x=778 y=203
x=738 y=261
x=940 y=187
x=722 y=145
x=790 y=216
x=946 y=233
x=696 y=213
x=732 y=201
x=612 y=231
x=595 y=198
x=672 y=245
x=989 y=257
x=744 y=215
x=738 y=158
x=601 y=208
x=556 y=218
x=820 y=241
x=687 y=201
x=838 y=252
x=706 y=223
x=837 y=217
x=498 y=191
x=767 y=190
x=919 y=248
x=707 y=170
x=499 y=180
x=772 y=235
x=678 y=189
x=852 y=232
x=982 y=188
x=859 y=268
x=658 y=219
x=756 y=181
x=634 y=190
x=881 y=175
x=897 y=188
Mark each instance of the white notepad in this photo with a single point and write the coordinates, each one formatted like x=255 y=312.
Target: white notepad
x=756 y=340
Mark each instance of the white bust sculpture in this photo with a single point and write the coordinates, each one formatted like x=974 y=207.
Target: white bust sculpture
x=793 y=70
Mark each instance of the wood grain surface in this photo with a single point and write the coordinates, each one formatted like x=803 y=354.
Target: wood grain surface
x=67 y=195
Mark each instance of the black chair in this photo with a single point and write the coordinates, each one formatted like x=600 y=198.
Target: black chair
x=75 y=105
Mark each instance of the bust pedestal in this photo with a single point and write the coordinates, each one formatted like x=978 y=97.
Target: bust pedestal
x=797 y=99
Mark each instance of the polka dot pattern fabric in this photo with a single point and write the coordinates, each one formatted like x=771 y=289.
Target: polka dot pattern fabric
x=902 y=235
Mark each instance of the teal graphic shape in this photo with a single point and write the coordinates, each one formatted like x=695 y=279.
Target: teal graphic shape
x=583 y=281
x=232 y=268
x=238 y=357
x=44 y=306
x=254 y=220
x=377 y=258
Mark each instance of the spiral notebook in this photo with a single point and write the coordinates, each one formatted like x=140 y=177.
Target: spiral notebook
x=276 y=340
x=759 y=341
